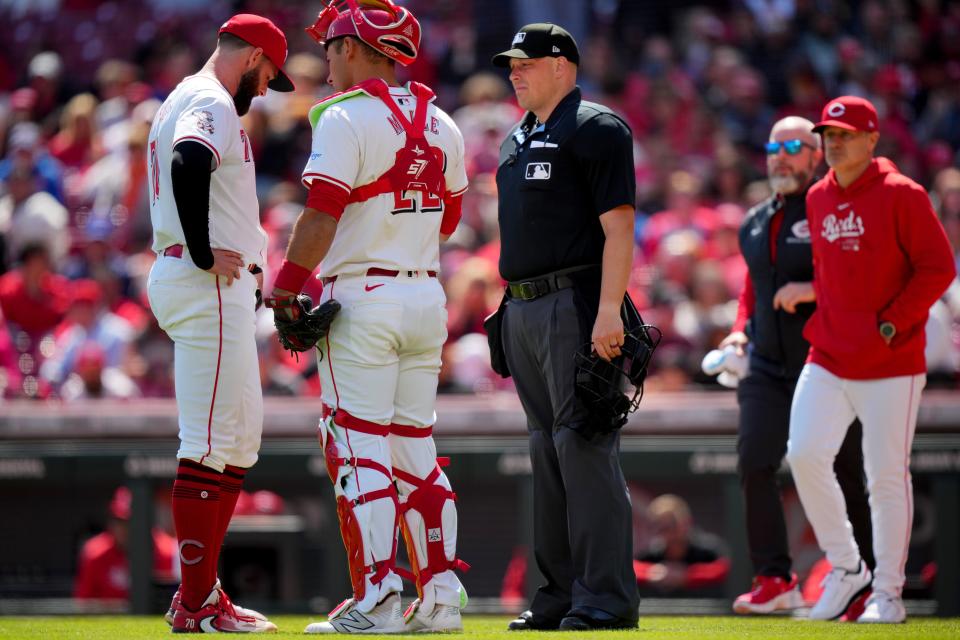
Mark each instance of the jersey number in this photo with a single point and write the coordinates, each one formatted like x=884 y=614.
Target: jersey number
x=413 y=201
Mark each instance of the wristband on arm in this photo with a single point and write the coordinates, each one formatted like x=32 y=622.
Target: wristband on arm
x=291 y=277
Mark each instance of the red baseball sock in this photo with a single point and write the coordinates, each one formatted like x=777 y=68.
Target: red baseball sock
x=230 y=483
x=196 y=509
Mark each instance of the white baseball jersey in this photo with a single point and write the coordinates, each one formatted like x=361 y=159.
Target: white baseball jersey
x=355 y=141
x=202 y=110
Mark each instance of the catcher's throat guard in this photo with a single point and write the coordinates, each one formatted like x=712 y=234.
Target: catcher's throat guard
x=614 y=389
x=388 y=28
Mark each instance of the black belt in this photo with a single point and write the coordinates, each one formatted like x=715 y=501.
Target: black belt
x=533 y=289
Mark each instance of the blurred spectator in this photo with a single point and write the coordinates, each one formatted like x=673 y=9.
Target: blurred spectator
x=26 y=152
x=87 y=325
x=104 y=571
x=684 y=211
x=96 y=258
x=44 y=74
x=473 y=292
x=115 y=190
x=77 y=144
x=30 y=216
x=679 y=558
x=91 y=378
x=33 y=298
x=484 y=119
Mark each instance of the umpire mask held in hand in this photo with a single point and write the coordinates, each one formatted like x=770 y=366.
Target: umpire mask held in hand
x=612 y=390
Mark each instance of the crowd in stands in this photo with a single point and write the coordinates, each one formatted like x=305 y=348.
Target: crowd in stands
x=700 y=85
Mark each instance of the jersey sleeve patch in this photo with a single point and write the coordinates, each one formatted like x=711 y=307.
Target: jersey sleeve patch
x=207 y=119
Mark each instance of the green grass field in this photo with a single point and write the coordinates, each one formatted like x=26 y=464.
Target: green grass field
x=484 y=627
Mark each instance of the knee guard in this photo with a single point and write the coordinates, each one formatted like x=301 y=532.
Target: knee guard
x=339 y=468
x=423 y=527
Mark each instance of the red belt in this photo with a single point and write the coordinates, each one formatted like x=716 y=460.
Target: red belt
x=389 y=273
x=176 y=251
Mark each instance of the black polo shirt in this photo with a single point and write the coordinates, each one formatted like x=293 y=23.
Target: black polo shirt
x=554 y=182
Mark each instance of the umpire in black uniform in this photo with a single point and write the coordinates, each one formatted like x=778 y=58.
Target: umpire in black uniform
x=566 y=207
x=775 y=242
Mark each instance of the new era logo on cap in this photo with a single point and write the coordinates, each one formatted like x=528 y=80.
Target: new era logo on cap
x=517 y=39
x=848 y=112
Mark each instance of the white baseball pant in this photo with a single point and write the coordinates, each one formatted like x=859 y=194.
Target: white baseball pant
x=379 y=367
x=823 y=407
x=216 y=371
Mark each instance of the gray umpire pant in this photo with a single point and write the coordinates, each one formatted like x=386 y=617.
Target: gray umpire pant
x=583 y=540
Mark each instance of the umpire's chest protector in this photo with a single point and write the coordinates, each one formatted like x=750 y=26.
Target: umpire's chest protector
x=546 y=211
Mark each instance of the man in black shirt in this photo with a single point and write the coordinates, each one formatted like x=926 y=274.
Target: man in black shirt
x=775 y=242
x=566 y=205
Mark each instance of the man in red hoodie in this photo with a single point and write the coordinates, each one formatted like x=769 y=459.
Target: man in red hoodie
x=881 y=258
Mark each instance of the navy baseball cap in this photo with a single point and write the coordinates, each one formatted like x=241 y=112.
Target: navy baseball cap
x=540 y=40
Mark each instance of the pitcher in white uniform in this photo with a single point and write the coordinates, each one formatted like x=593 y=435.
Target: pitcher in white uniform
x=385 y=178
x=203 y=290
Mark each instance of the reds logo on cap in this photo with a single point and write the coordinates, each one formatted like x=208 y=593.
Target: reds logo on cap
x=836 y=110
x=852 y=113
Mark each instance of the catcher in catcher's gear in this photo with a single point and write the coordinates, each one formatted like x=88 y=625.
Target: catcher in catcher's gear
x=300 y=325
x=386 y=177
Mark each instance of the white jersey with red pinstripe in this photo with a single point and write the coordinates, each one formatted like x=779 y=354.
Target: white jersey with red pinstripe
x=355 y=141
x=202 y=110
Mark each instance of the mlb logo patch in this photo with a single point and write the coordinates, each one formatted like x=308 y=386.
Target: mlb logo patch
x=538 y=171
x=433 y=535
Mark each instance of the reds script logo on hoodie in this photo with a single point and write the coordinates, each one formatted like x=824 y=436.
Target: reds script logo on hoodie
x=848 y=229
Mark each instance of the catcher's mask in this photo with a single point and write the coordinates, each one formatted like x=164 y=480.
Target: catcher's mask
x=390 y=29
x=616 y=387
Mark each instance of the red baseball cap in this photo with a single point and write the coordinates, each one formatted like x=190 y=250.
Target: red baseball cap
x=848 y=112
x=261 y=32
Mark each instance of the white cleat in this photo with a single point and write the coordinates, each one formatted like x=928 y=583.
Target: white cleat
x=884 y=608
x=386 y=617
x=443 y=619
x=840 y=588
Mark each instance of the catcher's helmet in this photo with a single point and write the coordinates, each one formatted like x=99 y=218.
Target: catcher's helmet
x=606 y=386
x=390 y=29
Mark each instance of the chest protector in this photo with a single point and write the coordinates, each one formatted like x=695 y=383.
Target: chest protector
x=418 y=166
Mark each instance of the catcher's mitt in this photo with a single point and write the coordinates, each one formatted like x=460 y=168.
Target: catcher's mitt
x=299 y=324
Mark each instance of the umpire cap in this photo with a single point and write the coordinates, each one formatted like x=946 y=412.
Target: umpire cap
x=540 y=40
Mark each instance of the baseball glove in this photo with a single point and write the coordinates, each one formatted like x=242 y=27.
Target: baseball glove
x=299 y=324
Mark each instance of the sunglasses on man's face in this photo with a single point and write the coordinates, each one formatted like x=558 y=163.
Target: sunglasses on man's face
x=792 y=147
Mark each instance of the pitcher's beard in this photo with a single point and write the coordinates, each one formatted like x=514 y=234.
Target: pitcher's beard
x=246 y=91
